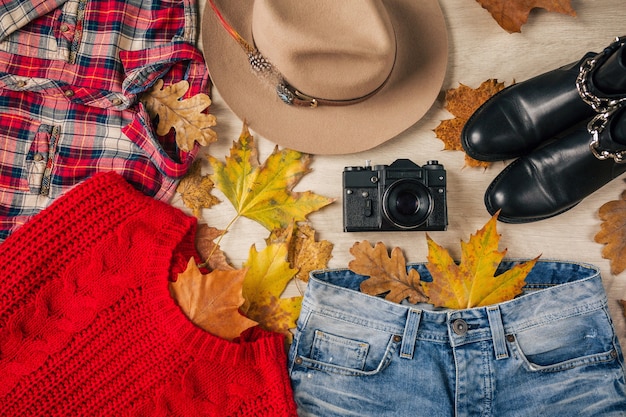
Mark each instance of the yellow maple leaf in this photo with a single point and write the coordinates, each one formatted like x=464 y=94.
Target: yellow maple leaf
x=183 y=115
x=195 y=189
x=212 y=301
x=472 y=282
x=268 y=274
x=462 y=102
x=264 y=193
x=613 y=233
x=304 y=252
x=387 y=274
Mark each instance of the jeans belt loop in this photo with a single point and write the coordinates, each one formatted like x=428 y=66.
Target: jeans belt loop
x=410 y=333
x=497 y=332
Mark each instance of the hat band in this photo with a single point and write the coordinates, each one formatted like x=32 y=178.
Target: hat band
x=287 y=93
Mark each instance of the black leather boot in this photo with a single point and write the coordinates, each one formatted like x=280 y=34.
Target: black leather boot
x=521 y=117
x=555 y=177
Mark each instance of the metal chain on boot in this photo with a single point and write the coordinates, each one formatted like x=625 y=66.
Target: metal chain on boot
x=595 y=127
x=598 y=104
x=605 y=107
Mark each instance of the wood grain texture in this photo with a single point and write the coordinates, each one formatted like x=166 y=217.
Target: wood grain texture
x=479 y=49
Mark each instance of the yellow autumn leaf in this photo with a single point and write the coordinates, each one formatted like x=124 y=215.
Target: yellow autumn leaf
x=472 y=282
x=304 y=252
x=183 y=115
x=267 y=277
x=264 y=193
x=212 y=301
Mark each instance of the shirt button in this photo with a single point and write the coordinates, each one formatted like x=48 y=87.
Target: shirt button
x=38 y=157
x=21 y=83
x=116 y=101
x=64 y=27
x=459 y=327
x=68 y=93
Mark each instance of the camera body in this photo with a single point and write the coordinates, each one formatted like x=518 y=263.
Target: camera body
x=400 y=196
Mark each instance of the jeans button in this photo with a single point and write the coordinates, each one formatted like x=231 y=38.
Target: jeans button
x=459 y=327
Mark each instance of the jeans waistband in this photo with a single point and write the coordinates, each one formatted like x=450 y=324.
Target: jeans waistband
x=554 y=290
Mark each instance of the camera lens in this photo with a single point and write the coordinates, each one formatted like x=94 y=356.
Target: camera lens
x=407 y=203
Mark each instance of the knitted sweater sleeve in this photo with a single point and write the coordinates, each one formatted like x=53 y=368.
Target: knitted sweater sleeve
x=88 y=327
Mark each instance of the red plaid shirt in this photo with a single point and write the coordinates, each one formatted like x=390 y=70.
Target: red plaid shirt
x=70 y=74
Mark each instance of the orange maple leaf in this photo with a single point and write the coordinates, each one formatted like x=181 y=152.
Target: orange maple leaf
x=613 y=233
x=387 y=273
x=472 y=282
x=512 y=14
x=462 y=102
x=212 y=301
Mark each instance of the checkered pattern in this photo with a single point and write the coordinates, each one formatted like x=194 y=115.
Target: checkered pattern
x=70 y=75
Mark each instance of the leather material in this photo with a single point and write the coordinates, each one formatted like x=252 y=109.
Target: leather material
x=553 y=178
x=519 y=118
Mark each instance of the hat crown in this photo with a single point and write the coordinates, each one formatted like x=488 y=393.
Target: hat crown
x=330 y=49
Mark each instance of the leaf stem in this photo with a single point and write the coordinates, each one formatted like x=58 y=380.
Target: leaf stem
x=205 y=264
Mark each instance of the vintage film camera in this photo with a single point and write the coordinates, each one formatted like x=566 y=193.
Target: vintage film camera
x=400 y=196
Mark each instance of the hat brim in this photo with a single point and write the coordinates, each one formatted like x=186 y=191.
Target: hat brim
x=410 y=91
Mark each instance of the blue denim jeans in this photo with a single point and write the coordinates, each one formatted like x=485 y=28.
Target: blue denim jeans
x=552 y=351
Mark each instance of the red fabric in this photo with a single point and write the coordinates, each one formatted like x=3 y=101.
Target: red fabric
x=88 y=327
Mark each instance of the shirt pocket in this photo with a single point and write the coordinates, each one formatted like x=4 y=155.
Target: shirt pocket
x=566 y=343
x=24 y=152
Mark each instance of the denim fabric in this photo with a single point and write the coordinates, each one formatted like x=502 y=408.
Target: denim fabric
x=552 y=351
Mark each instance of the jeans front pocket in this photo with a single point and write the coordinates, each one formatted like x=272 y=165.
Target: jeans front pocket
x=565 y=343
x=342 y=345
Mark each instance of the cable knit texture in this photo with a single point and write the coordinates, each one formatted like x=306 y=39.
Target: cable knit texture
x=88 y=326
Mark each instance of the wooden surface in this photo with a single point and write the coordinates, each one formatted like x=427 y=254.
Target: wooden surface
x=479 y=50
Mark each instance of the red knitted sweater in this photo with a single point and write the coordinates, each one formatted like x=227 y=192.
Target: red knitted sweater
x=88 y=326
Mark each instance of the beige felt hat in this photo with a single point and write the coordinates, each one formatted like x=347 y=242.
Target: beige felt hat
x=355 y=72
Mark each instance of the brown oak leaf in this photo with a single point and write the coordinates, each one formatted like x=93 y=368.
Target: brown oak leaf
x=210 y=251
x=511 y=15
x=186 y=116
x=195 y=189
x=212 y=301
x=613 y=233
x=387 y=273
x=462 y=102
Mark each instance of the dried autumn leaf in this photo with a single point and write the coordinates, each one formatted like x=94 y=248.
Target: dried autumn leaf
x=195 y=189
x=209 y=250
x=212 y=301
x=511 y=15
x=304 y=253
x=184 y=115
x=613 y=233
x=623 y=304
x=472 y=282
x=264 y=192
x=268 y=273
x=462 y=102
x=387 y=274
